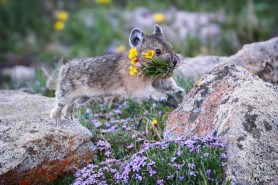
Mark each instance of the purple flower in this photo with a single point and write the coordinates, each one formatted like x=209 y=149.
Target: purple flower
x=160 y=182
x=94 y=120
x=138 y=177
x=137 y=163
x=208 y=172
x=190 y=143
x=211 y=180
x=110 y=114
x=205 y=139
x=173 y=159
x=196 y=149
x=107 y=124
x=130 y=146
x=192 y=174
x=97 y=124
x=96 y=116
x=223 y=164
x=191 y=165
x=151 y=163
x=151 y=170
x=177 y=166
x=107 y=153
x=88 y=111
x=179 y=153
x=170 y=177
x=103 y=146
x=223 y=156
x=118 y=111
x=181 y=178
x=140 y=139
x=206 y=154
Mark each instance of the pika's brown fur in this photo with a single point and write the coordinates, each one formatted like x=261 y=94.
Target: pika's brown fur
x=109 y=75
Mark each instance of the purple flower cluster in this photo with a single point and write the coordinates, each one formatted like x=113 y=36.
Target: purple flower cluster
x=104 y=147
x=143 y=165
x=105 y=118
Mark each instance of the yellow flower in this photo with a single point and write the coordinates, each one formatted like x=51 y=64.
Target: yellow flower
x=121 y=48
x=103 y=1
x=133 y=70
x=154 y=122
x=149 y=54
x=59 y=25
x=62 y=15
x=132 y=53
x=134 y=60
x=159 y=17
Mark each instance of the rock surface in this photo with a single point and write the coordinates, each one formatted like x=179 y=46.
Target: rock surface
x=241 y=109
x=32 y=149
x=259 y=58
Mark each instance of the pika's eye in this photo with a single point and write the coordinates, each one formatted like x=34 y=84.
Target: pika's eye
x=158 y=51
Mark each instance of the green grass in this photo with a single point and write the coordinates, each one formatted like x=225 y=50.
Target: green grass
x=39 y=85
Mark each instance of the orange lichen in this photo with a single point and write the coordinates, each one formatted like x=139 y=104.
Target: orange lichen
x=25 y=182
x=52 y=177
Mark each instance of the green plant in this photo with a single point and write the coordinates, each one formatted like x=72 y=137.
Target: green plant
x=38 y=86
x=157 y=67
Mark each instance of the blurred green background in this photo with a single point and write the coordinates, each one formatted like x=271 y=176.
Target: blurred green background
x=36 y=34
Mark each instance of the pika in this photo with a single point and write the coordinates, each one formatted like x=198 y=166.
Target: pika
x=108 y=75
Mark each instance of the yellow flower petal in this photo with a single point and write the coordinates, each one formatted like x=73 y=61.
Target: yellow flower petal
x=103 y=1
x=132 y=53
x=133 y=70
x=154 y=122
x=149 y=54
x=159 y=17
x=62 y=15
x=134 y=60
x=59 y=25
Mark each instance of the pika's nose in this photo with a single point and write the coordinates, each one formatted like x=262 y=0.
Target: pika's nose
x=175 y=61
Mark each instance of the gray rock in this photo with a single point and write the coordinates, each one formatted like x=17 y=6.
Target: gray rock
x=32 y=149
x=242 y=110
x=259 y=58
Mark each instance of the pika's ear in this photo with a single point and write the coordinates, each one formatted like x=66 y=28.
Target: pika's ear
x=158 y=31
x=136 y=38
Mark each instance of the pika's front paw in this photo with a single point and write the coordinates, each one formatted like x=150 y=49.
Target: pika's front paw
x=55 y=117
x=178 y=90
x=158 y=96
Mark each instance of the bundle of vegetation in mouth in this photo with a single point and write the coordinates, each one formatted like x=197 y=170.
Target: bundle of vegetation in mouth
x=156 y=67
x=146 y=64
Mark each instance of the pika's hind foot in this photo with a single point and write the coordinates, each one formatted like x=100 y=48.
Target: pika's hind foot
x=55 y=114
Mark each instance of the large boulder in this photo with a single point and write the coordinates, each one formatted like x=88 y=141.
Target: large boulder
x=32 y=149
x=241 y=109
x=259 y=58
